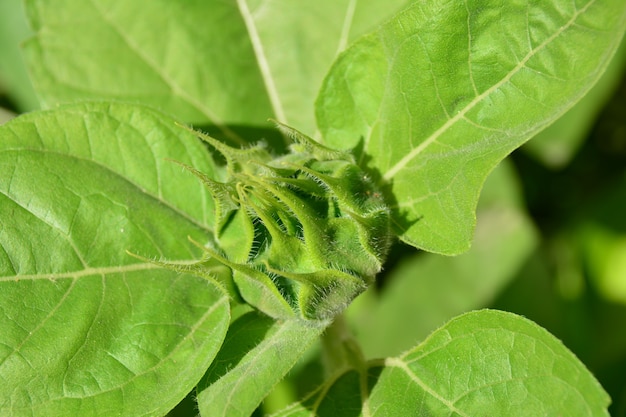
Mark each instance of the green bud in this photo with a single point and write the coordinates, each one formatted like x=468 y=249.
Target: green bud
x=304 y=233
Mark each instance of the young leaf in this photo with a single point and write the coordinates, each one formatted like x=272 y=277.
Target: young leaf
x=443 y=91
x=88 y=329
x=481 y=363
x=256 y=355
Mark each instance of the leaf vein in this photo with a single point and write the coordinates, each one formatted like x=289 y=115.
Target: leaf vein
x=264 y=66
x=398 y=363
x=347 y=26
x=170 y=82
x=85 y=272
x=402 y=163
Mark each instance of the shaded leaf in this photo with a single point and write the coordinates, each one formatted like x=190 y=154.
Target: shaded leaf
x=600 y=239
x=13 y=76
x=191 y=59
x=256 y=355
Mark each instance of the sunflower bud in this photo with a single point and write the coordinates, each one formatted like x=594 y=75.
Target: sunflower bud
x=304 y=233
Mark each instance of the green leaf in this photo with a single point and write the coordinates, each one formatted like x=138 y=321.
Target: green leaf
x=88 y=329
x=256 y=355
x=191 y=59
x=481 y=363
x=296 y=43
x=133 y=142
x=433 y=288
x=224 y=63
x=442 y=92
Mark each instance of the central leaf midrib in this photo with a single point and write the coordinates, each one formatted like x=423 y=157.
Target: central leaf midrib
x=89 y=271
x=262 y=61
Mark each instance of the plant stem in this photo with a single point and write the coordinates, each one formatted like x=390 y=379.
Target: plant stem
x=340 y=350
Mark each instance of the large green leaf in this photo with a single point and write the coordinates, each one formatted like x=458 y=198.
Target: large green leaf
x=429 y=289
x=442 y=92
x=88 y=329
x=256 y=355
x=224 y=63
x=132 y=142
x=191 y=59
x=481 y=363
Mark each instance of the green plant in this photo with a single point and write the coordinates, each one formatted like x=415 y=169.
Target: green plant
x=137 y=263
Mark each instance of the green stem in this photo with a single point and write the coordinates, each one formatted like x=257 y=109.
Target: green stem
x=340 y=350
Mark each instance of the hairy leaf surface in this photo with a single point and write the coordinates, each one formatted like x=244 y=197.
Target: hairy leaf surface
x=88 y=329
x=481 y=363
x=256 y=355
x=445 y=90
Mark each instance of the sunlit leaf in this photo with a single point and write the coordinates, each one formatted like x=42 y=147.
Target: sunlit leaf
x=557 y=145
x=442 y=92
x=88 y=329
x=481 y=363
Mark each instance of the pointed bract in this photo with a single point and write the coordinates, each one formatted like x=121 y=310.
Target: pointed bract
x=311 y=230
